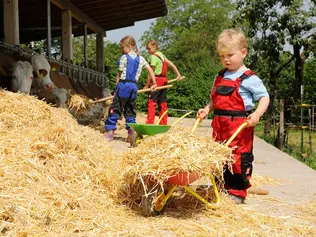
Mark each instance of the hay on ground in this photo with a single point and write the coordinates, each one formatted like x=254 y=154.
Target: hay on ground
x=58 y=178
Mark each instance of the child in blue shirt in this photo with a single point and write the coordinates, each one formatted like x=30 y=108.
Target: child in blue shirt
x=235 y=90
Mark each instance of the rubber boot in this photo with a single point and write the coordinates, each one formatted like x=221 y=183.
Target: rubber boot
x=109 y=135
x=130 y=133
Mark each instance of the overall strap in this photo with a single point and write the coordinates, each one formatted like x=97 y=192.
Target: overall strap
x=164 y=66
x=132 y=67
x=158 y=57
x=222 y=72
x=246 y=74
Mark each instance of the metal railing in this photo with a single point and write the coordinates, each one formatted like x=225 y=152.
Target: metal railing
x=77 y=73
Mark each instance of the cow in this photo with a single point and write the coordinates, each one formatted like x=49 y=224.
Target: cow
x=23 y=75
x=41 y=71
x=17 y=77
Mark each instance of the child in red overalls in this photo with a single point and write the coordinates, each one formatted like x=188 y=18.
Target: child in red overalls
x=159 y=64
x=234 y=92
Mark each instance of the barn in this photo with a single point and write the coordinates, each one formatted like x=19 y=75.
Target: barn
x=24 y=21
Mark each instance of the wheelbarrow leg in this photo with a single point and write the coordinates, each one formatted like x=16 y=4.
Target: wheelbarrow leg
x=162 y=203
x=208 y=204
x=154 y=204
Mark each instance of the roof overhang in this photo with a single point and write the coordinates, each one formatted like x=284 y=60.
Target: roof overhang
x=99 y=15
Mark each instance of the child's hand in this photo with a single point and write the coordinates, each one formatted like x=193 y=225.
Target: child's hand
x=202 y=113
x=253 y=119
x=179 y=78
x=145 y=87
x=153 y=87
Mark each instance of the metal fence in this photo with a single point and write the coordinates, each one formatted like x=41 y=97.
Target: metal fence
x=77 y=73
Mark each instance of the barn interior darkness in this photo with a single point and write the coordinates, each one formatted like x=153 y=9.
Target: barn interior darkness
x=109 y=14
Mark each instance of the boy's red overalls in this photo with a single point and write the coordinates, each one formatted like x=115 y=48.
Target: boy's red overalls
x=159 y=97
x=229 y=114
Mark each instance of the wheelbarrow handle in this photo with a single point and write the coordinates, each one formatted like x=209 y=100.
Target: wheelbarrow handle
x=197 y=121
x=241 y=127
x=181 y=118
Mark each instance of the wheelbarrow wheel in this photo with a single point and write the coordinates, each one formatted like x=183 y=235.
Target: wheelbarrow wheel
x=151 y=204
x=136 y=139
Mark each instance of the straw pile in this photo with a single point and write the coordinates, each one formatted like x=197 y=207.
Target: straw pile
x=176 y=151
x=162 y=156
x=60 y=179
x=78 y=103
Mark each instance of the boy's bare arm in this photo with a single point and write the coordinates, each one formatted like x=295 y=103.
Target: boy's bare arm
x=174 y=68
x=254 y=118
x=149 y=78
x=118 y=77
x=153 y=79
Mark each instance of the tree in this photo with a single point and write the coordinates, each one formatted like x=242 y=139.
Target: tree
x=279 y=30
x=78 y=48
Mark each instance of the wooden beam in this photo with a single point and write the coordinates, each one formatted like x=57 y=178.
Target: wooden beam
x=66 y=34
x=11 y=22
x=112 y=17
x=78 y=15
x=100 y=52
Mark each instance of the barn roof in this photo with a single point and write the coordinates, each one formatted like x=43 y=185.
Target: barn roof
x=108 y=14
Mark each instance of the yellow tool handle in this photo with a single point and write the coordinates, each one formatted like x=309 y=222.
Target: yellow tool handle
x=162 y=117
x=139 y=91
x=198 y=120
x=236 y=133
x=181 y=118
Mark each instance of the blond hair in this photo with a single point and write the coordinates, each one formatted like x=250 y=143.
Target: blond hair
x=231 y=39
x=153 y=43
x=128 y=41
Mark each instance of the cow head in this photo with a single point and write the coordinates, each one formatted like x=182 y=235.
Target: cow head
x=41 y=70
x=22 y=77
x=62 y=96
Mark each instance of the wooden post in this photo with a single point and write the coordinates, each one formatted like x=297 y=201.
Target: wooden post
x=11 y=22
x=281 y=126
x=100 y=52
x=302 y=128
x=313 y=116
x=49 y=29
x=66 y=35
x=85 y=46
x=310 y=131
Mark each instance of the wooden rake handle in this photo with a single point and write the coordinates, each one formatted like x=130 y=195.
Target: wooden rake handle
x=173 y=80
x=139 y=91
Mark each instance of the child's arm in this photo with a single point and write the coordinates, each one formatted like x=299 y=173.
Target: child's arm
x=118 y=76
x=174 y=68
x=148 y=79
x=153 y=79
x=254 y=118
x=207 y=109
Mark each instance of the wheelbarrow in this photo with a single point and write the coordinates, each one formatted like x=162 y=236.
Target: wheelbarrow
x=154 y=203
x=142 y=130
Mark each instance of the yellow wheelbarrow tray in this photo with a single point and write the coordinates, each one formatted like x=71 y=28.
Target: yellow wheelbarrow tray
x=155 y=203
